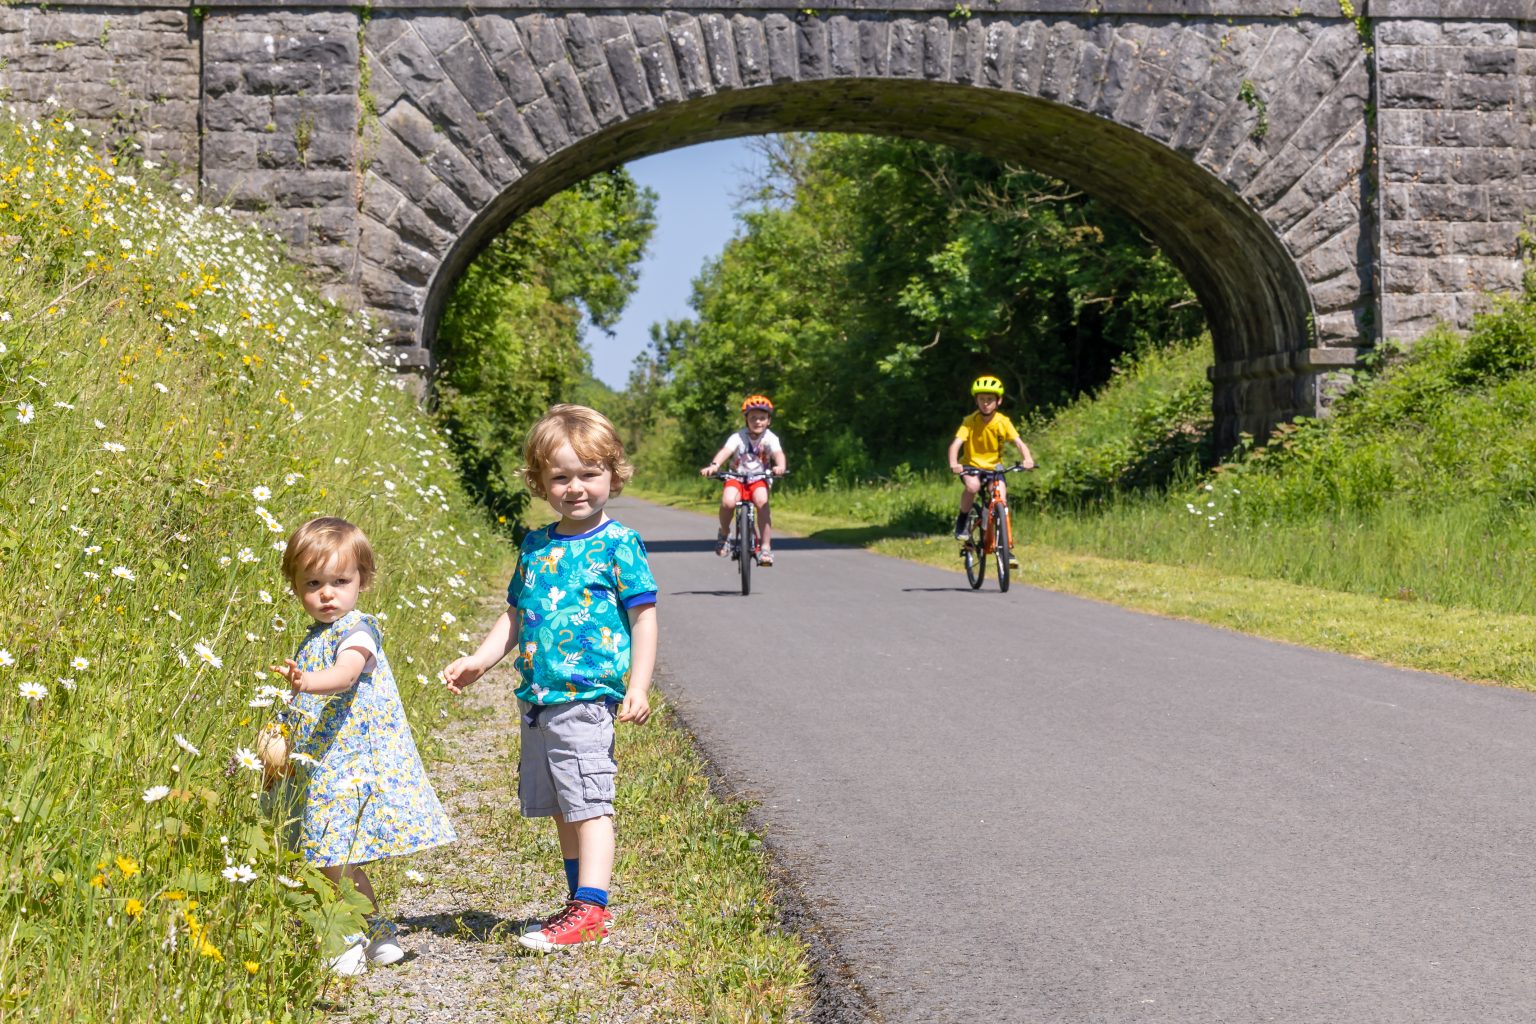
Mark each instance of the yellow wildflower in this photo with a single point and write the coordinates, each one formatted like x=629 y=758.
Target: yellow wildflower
x=133 y=908
x=99 y=882
x=128 y=866
x=251 y=966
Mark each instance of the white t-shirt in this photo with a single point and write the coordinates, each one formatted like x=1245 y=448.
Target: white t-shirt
x=361 y=638
x=752 y=458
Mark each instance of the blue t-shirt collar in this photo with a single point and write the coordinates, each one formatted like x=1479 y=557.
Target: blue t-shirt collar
x=555 y=534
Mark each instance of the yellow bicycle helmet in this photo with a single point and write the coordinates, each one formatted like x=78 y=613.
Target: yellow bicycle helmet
x=756 y=402
x=987 y=385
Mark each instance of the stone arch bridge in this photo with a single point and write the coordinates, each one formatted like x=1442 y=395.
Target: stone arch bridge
x=1325 y=173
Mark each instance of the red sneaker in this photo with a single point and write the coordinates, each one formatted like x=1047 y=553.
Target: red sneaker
x=579 y=924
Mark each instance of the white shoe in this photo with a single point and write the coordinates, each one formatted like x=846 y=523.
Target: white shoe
x=352 y=962
x=384 y=947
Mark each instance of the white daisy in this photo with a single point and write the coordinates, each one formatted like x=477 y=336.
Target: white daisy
x=162 y=388
x=448 y=619
x=113 y=446
x=261 y=493
x=263 y=597
x=154 y=793
x=122 y=572
x=291 y=883
x=184 y=744
x=6 y=661
x=205 y=652
x=412 y=875
x=32 y=691
x=79 y=664
x=248 y=759
x=242 y=874
x=246 y=555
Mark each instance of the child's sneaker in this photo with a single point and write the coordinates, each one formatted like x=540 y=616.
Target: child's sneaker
x=353 y=961
x=722 y=546
x=384 y=943
x=579 y=924
x=1013 y=563
x=765 y=558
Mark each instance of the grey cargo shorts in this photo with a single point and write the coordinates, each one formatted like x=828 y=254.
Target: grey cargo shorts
x=566 y=767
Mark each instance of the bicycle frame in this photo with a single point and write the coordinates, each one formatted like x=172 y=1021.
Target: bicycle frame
x=993 y=501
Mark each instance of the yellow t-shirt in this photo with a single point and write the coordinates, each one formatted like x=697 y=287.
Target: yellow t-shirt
x=983 y=447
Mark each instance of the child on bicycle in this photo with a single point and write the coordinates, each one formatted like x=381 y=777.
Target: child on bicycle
x=755 y=453
x=979 y=444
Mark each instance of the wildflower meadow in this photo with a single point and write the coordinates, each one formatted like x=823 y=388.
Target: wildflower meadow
x=173 y=401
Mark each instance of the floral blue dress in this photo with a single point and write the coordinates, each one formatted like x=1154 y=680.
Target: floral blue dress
x=365 y=795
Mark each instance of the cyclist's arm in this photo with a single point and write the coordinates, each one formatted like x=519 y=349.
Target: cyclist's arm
x=780 y=467
x=718 y=461
x=1025 y=458
x=954 y=454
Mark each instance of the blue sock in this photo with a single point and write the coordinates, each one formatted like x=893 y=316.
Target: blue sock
x=571 y=874
x=587 y=894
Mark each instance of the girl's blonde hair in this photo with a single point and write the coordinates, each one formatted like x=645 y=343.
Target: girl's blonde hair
x=591 y=436
x=319 y=542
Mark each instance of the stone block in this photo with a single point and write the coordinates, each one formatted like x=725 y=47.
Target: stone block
x=719 y=50
x=382 y=290
x=293 y=190
x=570 y=102
x=1405 y=275
x=503 y=46
x=875 y=47
x=783 y=48
x=1029 y=52
x=602 y=96
x=514 y=135
x=648 y=30
x=906 y=49
x=688 y=53
x=843 y=46
x=1408 y=33
x=1418 y=238
x=628 y=75
x=582 y=42
x=1060 y=60
x=1482 y=92
x=1501 y=240
x=751 y=50
x=1449 y=202
x=543 y=38
x=411 y=64
x=661 y=74
x=1425 y=91
x=466 y=67
x=238 y=112
x=997 y=54
x=936 y=48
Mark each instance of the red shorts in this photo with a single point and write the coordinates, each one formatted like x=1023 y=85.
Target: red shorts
x=748 y=490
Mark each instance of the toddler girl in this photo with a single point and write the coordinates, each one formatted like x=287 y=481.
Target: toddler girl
x=363 y=793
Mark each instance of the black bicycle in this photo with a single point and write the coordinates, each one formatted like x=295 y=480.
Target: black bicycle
x=745 y=546
x=989 y=528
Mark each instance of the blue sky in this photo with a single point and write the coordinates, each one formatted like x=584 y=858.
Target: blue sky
x=695 y=216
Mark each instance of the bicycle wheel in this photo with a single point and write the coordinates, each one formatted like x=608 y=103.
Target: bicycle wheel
x=974 y=552
x=1001 y=516
x=746 y=543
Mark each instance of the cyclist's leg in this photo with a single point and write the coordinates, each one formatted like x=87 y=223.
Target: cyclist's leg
x=972 y=484
x=760 y=499
x=729 y=496
x=1002 y=494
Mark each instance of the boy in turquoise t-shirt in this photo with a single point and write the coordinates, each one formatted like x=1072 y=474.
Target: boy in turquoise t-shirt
x=581 y=617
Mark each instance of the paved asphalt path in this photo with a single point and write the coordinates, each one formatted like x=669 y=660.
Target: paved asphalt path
x=1029 y=807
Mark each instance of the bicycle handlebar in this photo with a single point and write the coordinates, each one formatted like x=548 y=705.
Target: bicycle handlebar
x=1016 y=468
x=726 y=474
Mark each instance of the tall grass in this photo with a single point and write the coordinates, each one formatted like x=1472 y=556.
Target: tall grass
x=175 y=401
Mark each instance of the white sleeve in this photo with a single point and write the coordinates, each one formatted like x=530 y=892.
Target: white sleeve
x=733 y=444
x=771 y=442
x=360 y=638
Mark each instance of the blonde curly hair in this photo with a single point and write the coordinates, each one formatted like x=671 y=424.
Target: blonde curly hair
x=591 y=436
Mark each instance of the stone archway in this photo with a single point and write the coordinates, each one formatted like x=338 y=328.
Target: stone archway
x=1149 y=115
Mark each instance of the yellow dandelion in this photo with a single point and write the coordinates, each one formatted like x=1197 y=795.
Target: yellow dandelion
x=251 y=967
x=173 y=895
x=128 y=866
x=133 y=908
x=99 y=882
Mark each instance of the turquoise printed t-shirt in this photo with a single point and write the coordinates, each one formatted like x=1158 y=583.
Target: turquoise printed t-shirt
x=571 y=594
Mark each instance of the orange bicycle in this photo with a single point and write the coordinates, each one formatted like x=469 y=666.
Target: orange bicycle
x=990 y=528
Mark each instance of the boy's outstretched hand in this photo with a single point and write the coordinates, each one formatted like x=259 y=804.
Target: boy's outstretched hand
x=461 y=673
x=636 y=708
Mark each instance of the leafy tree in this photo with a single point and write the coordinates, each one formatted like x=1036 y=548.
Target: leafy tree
x=510 y=342
x=874 y=277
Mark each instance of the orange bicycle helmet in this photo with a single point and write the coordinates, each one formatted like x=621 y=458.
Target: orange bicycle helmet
x=987 y=385
x=756 y=402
